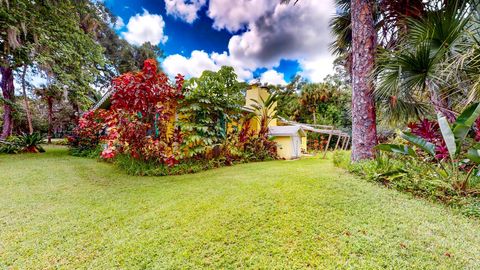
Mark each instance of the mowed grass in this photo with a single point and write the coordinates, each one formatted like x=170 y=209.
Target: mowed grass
x=58 y=211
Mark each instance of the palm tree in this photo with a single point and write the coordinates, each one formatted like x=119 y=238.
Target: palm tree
x=312 y=94
x=49 y=94
x=265 y=111
x=415 y=73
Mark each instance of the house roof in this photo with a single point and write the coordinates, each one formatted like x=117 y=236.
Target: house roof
x=286 y=131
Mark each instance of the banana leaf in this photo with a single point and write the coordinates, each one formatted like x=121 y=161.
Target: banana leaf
x=464 y=123
x=474 y=155
x=448 y=136
x=396 y=148
x=419 y=142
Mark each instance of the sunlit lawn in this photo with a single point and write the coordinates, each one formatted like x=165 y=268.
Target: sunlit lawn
x=58 y=211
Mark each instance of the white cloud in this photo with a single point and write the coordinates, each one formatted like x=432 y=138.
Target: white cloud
x=200 y=61
x=183 y=9
x=145 y=28
x=317 y=69
x=272 y=32
x=273 y=77
x=189 y=67
x=224 y=59
x=237 y=16
x=119 y=24
x=298 y=32
x=275 y=32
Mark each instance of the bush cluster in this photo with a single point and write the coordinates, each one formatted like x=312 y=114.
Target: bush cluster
x=143 y=133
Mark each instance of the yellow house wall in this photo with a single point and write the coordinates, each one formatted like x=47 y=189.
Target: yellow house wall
x=284 y=147
x=304 y=144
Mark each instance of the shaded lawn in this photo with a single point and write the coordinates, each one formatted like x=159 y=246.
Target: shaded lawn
x=58 y=211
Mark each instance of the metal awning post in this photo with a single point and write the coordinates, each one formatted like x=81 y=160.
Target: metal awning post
x=338 y=140
x=344 y=142
x=328 y=142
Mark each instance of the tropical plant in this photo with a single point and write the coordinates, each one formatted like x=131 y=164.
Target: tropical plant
x=29 y=143
x=212 y=102
x=264 y=112
x=415 y=74
x=455 y=136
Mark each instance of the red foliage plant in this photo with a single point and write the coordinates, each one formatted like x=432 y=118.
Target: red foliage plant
x=430 y=131
x=145 y=104
x=88 y=133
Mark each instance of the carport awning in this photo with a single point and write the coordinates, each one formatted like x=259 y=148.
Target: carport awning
x=307 y=127
x=286 y=131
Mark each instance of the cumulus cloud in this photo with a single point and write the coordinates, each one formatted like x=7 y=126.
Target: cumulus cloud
x=273 y=77
x=234 y=17
x=269 y=33
x=298 y=32
x=189 y=67
x=316 y=69
x=145 y=27
x=199 y=61
x=183 y=9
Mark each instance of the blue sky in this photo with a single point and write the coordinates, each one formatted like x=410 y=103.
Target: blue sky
x=259 y=38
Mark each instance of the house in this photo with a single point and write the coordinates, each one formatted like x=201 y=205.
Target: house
x=291 y=139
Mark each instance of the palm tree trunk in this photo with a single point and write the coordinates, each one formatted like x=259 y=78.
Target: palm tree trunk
x=314 y=118
x=364 y=41
x=25 y=99
x=50 y=118
x=8 y=92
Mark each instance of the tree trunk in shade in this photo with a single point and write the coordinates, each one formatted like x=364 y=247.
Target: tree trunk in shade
x=50 y=118
x=364 y=42
x=25 y=100
x=76 y=110
x=8 y=92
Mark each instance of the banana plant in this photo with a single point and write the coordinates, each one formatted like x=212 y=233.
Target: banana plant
x=455 y=138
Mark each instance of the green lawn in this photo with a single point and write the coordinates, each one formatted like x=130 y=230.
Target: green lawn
x=58 y=211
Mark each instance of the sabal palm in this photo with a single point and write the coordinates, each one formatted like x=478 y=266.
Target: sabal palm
x=414 y=74
x=389 y=21
x=312 y=94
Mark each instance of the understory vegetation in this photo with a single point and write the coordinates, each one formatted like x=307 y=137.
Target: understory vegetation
x=155 y=128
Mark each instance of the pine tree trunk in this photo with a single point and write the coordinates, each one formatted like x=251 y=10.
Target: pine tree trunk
x=25 y=98
x=364 y=41
x=50 y=119
x=8 y=92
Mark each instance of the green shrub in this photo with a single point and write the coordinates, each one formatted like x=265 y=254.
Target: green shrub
x=9 y=148
x=29 y=143
x=139 y=167
x=341 y=159
x=411 y=176
x=472 y=209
